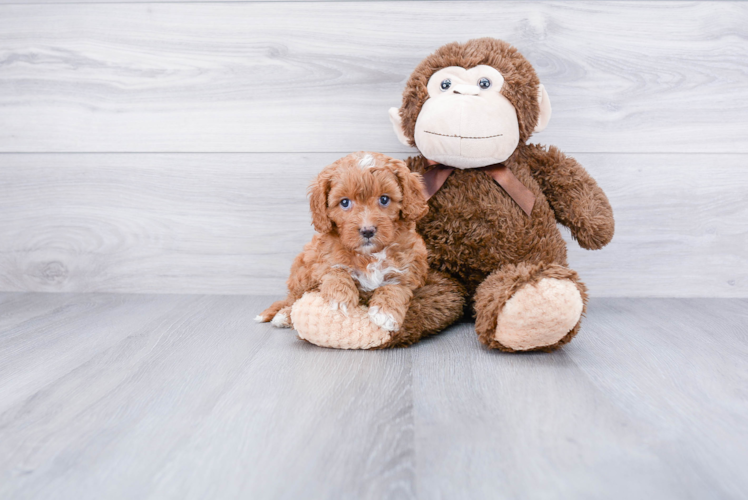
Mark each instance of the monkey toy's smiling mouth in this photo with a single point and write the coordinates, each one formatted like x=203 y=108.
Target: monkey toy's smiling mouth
x=463 y=137
x=464 y=131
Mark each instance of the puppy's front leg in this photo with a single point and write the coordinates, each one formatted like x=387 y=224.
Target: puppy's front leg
x=339 y=290
x=388 y=305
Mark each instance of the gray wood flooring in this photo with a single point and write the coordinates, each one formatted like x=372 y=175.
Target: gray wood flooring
x=168 y=396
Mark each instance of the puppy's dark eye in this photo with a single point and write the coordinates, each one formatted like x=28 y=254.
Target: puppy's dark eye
x=446 y=84
x=384 y=200
x=484 y=83
x=345 y=203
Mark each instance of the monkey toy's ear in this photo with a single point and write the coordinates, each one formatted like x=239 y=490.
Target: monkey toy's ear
x=545 y=109
x=397 y=124
x=318 y=191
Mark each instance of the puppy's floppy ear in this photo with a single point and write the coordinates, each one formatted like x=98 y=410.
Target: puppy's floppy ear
x=414 y=204
x=318 y=191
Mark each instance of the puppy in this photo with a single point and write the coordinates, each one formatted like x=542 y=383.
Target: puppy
x=364 y=207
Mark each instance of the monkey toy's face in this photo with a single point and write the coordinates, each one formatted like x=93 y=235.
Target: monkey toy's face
x=470 y=105
x=466 y=122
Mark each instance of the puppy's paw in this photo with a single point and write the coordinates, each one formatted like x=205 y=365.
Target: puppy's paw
x=339 y=294
x=342 y=306
x=383 y=319
x=281 y=320
x=341 y=303
x=270 y=313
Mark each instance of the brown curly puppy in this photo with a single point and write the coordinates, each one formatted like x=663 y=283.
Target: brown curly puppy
x=364 y=207
x=491 y=227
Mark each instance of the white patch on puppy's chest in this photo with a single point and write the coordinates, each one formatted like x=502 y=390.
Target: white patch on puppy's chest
x=377 y=274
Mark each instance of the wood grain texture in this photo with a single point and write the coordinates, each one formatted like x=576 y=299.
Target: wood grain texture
x=138 y=396
x=319 y=77
x=34 y=2
x=232 y=223
x=125 y=396
x=647 y=402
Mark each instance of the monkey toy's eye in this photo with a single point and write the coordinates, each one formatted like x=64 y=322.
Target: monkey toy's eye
x=384 y=200
x=345 y=203
x=446 y=84
x=484 y=83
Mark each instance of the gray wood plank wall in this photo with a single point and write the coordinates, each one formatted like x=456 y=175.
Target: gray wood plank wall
x=166 y=147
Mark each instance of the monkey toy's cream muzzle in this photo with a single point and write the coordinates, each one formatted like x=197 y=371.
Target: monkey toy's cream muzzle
x=467 y=129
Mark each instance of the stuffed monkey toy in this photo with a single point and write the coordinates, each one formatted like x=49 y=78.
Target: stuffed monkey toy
x=494 y=247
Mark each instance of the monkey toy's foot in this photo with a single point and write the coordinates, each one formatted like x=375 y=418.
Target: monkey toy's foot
x=317 y=323
x=434 y=306
x=539 y=315
x=528 y=308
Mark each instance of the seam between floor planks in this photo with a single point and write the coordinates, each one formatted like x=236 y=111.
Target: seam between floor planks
x=645 y=402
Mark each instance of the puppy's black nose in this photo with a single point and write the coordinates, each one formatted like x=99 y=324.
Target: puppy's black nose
x=368 y=232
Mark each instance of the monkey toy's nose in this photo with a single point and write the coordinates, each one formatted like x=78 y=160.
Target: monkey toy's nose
x=466 y=89
x=368 y=232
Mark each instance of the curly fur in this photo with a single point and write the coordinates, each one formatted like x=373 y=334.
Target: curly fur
x=482 y=248
x=477 y=236
x=501 y=285
x=345 y=266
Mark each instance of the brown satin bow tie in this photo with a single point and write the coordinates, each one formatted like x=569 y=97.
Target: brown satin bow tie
x=437 y=176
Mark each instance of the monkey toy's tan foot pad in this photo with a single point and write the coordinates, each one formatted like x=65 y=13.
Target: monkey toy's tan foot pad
x=539 y=314
x=319 y=324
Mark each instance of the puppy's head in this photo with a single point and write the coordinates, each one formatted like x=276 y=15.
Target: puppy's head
x=367 y=199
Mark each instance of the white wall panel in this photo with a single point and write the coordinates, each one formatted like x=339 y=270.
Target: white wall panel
x=232 y=223
x=214 y=116
x=319 y=77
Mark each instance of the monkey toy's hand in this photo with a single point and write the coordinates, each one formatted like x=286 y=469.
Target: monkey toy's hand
x=576 y=199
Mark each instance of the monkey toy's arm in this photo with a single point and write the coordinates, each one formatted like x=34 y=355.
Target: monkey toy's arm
x=575 y=197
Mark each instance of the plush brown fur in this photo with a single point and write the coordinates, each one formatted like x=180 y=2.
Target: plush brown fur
x=495 y=290
x=477 y=236
x=339 y=260
x=439 y=302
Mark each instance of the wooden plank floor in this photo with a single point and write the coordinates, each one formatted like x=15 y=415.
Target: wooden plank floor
x=169 y=396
